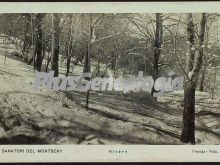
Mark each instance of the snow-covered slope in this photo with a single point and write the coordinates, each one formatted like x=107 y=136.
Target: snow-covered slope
x=28 y=117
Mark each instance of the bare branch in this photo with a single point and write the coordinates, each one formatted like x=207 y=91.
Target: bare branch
x=107 y=37
x=141 y=56
x=177 y=58
x=138 y=27
x=100 y=17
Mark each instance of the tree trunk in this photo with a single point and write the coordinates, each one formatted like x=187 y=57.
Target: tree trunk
x=117 y=56
x=157 y=42
x=198 y=61
x=27 y=52
x=68 y=57
x=25 y=55
x=201 y=84
x=69 y=47
x=98 y=63
x=27 y=42
x=67 y=64
x=188 y=132
x=188 y=135
x=33 y=44
x=157 y=47
x=193 y=68
x=48 y=62
x=190 y=44
x=87 y=67
x=214 y=84
x=39 y=18
x=43 y=50
x=55 y=44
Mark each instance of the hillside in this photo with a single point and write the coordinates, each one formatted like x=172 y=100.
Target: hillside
x=28 y=117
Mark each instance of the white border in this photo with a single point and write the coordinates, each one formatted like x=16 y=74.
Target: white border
x=93 y=153
x=108 y=7
x=100 y=153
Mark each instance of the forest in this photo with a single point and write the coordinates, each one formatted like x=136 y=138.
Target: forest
x=110 y=45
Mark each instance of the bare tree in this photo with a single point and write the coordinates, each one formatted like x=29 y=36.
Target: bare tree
x=69 y=45
x=201 y=83
x=32 y=59
x=55 y=44
x=194 y=64
x=39 y=18
x=27 y=37
x=157 y=46
x=87 y=67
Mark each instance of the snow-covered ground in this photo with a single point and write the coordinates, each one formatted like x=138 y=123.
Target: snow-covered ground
x=48 y=117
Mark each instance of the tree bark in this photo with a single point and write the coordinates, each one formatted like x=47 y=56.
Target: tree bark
x=214 y=84
x=157 y=47
x=193 y=68
x=201 y=83
x=190 y=43
x=87 y=67
x=69 y=47
x=48 y=62
x=32 y=43
x=43 y=50
x=98 y=63
x=188 y=135
x=39 y=18
x=198 y=61
x=55 y=44
x=157 y=42
x=27 y=41
x=188 y=132
x=67 y=63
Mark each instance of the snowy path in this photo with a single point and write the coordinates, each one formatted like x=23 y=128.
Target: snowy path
x=46 y=117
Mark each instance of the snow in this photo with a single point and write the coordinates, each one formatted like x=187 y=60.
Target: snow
x=49 y=117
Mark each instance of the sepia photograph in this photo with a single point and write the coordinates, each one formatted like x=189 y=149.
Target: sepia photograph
x=110 y=78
